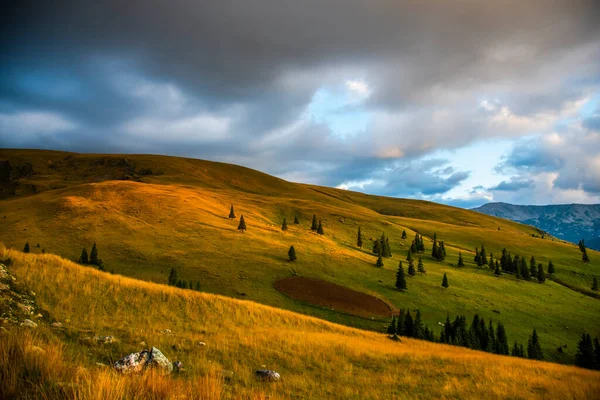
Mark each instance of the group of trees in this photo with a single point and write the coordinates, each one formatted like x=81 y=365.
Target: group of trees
x=438 y=251
x=26 y=248
x=92 y=259
x=405 y=325
x=588 y=352
x=584 y=255
x=175 y=281
x=481 y=257
x=517 y=265
x=317 y=227
x=401 y=277
x=417 y=245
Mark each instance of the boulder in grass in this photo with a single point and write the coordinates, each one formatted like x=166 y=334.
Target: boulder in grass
x=267 y=375
x=29 y=324
x=139 y=362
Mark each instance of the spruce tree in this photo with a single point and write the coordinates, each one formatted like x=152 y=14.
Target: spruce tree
x=292 y=253
x=296 y=222
x=409 y=256
x=524 y=269
x=497 y=270
x=442 y=252
x=418 y=330
x=518 y=273
x=173 y=277
x=388 y=249
x=320 y=228
x=314 y=226
x=411 y=268
x=461 y=263
x=515 y=350
x=595 y=284
x=197 y=286
x=534 y=350
x=393 y=326
x=242 y=225
x=359 y=239
x=94 y=255
x=541 y=276
x=284 y=225
x=400 y=278
x=445 y=281
x=26 y=248
x=483 y=256
x=597 y=351
x=584 y=256
x=379 y=262
x=477 y=258
x=585 y=352
x=532 y=267
x=408 y=324
x=491 y=262
x=434 y=247
x=501 y=340
x=551 y=269
x=403 y=234
x=421 y=267
x=231 y=213
x=83 y=258
x=376 y=247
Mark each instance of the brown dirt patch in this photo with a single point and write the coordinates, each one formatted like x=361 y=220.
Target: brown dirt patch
x=332 y=296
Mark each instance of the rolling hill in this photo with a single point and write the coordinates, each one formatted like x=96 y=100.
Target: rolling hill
x=221 y=341
x=570 y=222
x=150 y=214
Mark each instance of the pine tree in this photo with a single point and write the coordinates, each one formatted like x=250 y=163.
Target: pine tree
x=314 y=225
x=418 y=329
x=497 y=270
x=477 y=258
x=388 y=249
x=231 y=213
x=532 y=267
x=541 y=276
x=403 y=234
x=83 y=258
x=379 y=262
x=376 y=247
x=595 y=284
x=461 y=263
x=524 y=269
x=584 y=256
x=551 y=269
x=384 y=245
x=442 y=252
x=421 y=267
x=515 y=350
x=173 y=277
x=445 y=281
x=296 y=222
x=400 y=278
x=501 y=340
x=585 y=352
x=320 y=228
x=393 y=326
x=409 y=256
x=411 y=268
x=94 y=255
x=26 y=248
x=483 y=256
x=284 y=225
x=197 y=286
x=408 y=324
x=491 y=262
x=534 y=350
x=292 y=253
x=434 y=247
x=492 y=342
x=518 y=273
x=359 y=239
x=597 y=352
x=242 y=225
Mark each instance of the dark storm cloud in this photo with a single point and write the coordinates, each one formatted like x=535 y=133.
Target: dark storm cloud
x=231 y=80
x=512 y=185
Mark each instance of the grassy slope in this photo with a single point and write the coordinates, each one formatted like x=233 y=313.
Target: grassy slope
x=178 y=219
x=317 y=359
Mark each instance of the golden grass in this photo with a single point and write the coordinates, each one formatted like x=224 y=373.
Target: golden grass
x=317 y=359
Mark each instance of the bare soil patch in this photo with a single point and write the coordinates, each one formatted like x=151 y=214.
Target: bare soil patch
x=336 y=297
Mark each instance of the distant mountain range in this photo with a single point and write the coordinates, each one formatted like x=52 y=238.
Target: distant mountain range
x=570 y=222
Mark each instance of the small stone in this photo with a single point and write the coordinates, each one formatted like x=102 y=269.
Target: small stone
x=99 y=364
x=56 y=325
x=267 y=375
x=29 y=324
x=142 y=344
x=166 y=331
x=40 y=315
x=201 y=344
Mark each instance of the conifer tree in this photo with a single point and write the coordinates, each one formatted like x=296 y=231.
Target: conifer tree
x=532 y=267
x=400 y=278
x=518 y=273
x=442 y=251
x=492 y=342
x=296 y=222
x=483 y=256
x=597 y=351
x=197 y=286
x=83 y=258
x=534 y=350
x=584 y=256
x=551 y=269
x=284 y=225
x=524 y=269
x=400 y=325
x=515 y=350
x=94 y=255
x=411 y=268
x=497 y=270
x=445 y=281
x=320 y=228
x=421 y=267
x=595 y=284
x=408 y=324
x=388 y=249
x=501 y=340
x=461 y=263
x=376 y=247
x=314 y=225
x=173 y=277
x=292 y=253
x=477 y=258
x=585 y=352
x=379 y=262
x=26 y=248
x=434 y=247
x=231 y=213
x=403 y=234
x=393 y=326
x=242 y=225
x=418 y=330
x=359 y=239
x=409 y=256
x=491 y=261
x=541 y=276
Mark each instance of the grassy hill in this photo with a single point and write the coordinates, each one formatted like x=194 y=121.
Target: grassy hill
x=149 y=214
x=317 y=359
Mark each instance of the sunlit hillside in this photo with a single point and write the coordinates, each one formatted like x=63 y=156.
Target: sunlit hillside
x=149 y=214
x=316 y=359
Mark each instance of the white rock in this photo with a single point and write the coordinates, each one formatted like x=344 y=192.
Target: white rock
x=29 y=324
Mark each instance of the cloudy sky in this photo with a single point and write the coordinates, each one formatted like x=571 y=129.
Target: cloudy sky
x=461 y=102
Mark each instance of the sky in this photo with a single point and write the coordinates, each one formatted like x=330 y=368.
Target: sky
x=462 y=102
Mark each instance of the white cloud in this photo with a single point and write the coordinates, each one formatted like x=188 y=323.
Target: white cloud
x=32 y=123
x=359 y=87
x=202 y=127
